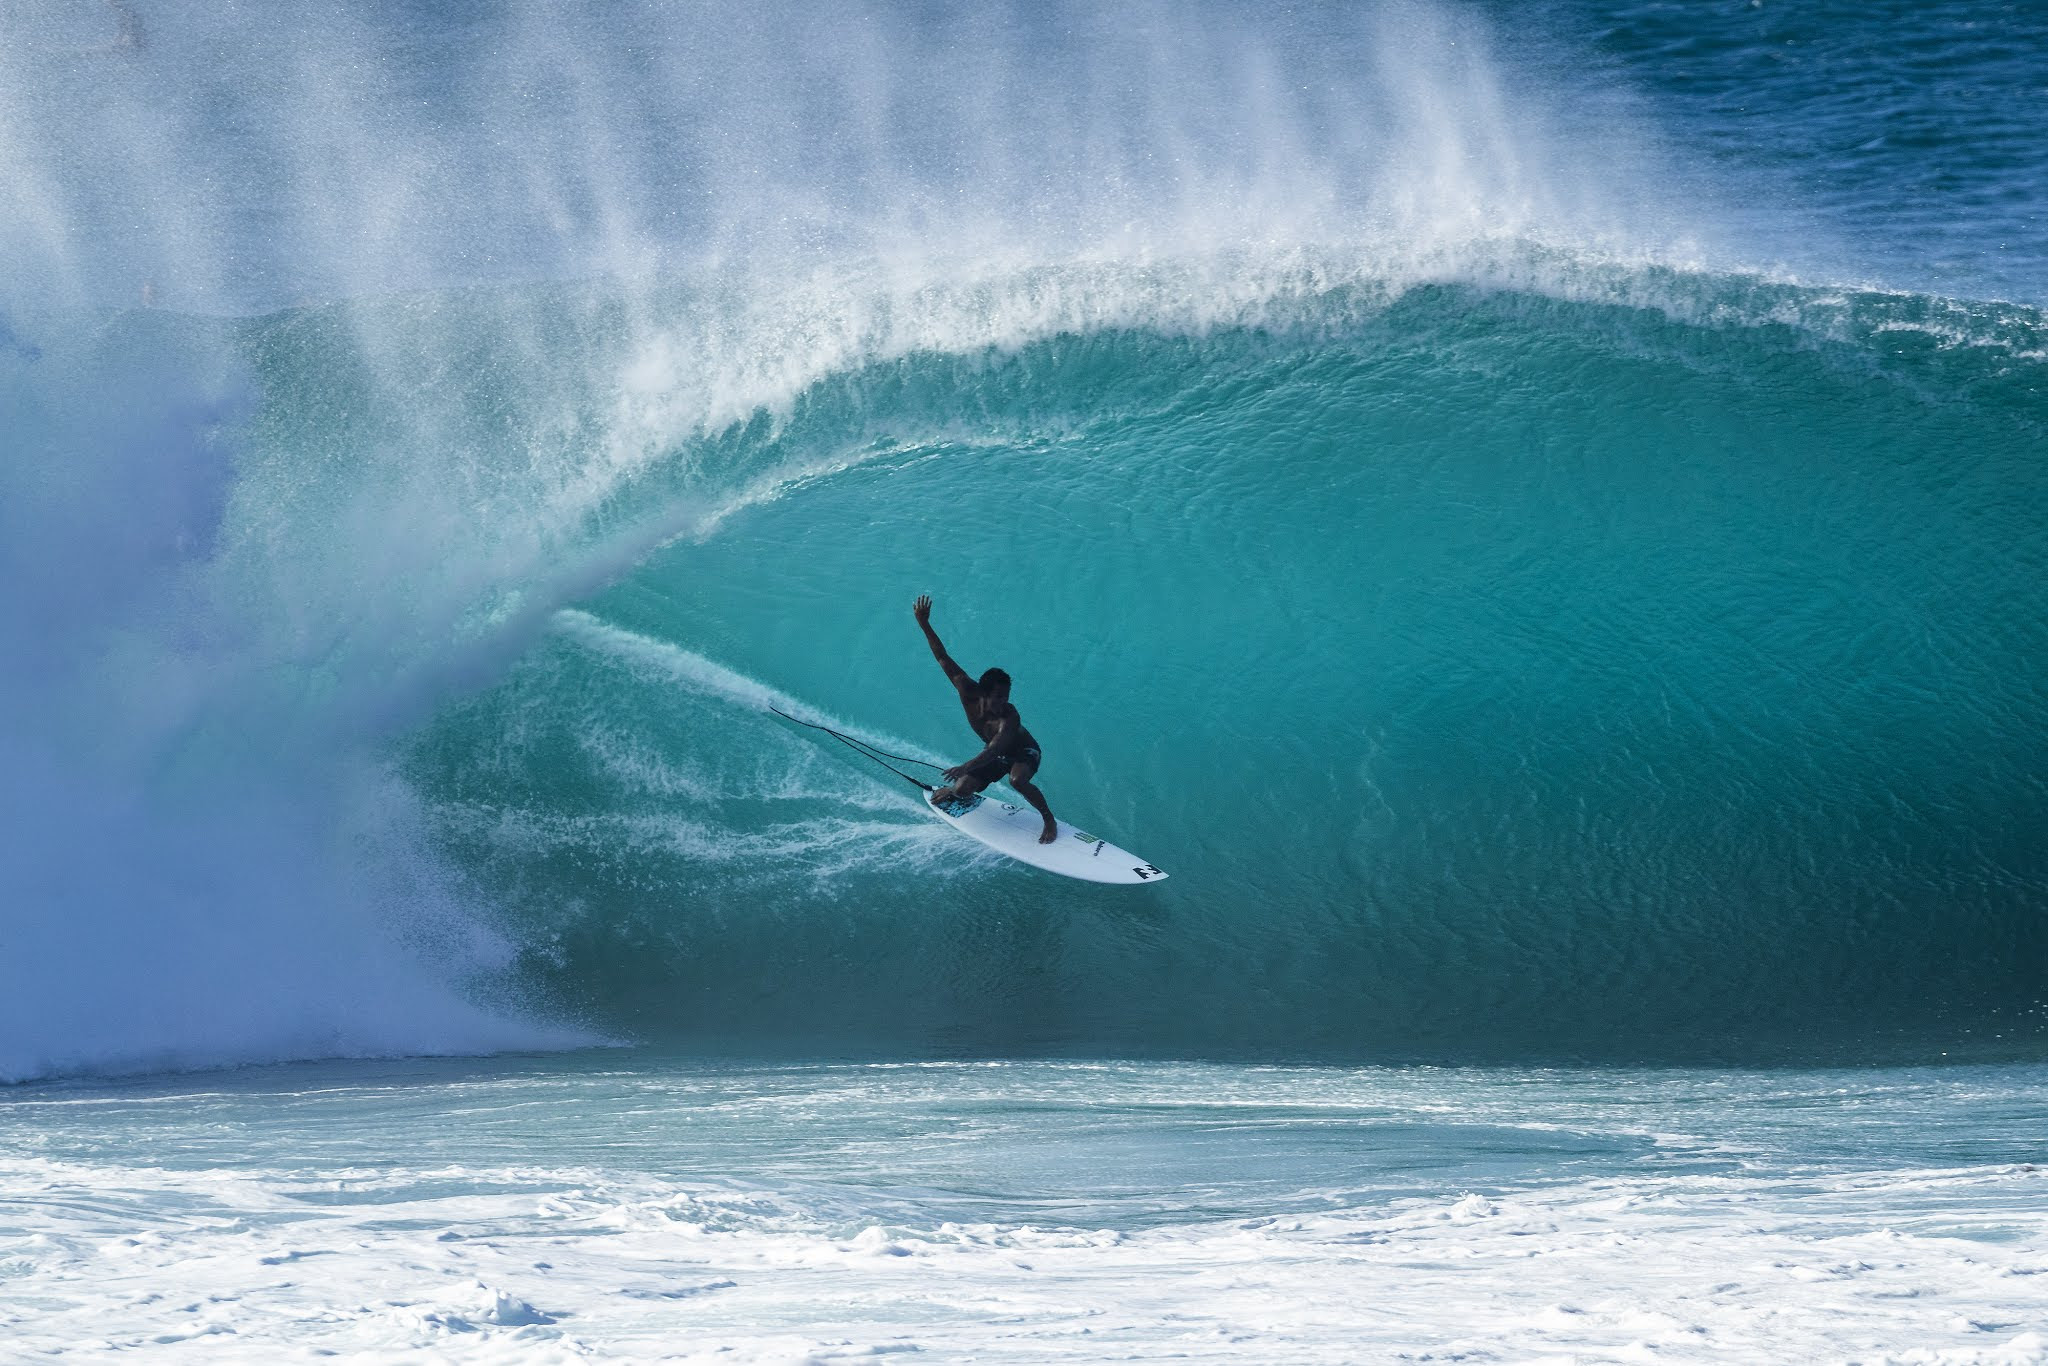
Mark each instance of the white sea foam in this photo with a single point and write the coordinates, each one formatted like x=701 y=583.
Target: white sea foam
x=796 y=771
x=1009 y=1213
x=708 y=678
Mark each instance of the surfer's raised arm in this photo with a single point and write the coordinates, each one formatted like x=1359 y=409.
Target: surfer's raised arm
x=922 y=610
x=1009 y=752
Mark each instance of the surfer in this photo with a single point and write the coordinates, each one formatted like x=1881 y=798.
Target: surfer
x=1010 y=748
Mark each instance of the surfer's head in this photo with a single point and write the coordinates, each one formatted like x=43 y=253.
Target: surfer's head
x=995 y=683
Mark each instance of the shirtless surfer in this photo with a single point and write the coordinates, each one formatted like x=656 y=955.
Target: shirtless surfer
x=1010 y=748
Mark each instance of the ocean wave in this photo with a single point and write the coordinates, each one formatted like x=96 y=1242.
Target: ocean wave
x=1528 y=609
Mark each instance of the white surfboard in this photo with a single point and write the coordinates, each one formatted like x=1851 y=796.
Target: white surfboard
x=1007 y=827
x=1014 y=830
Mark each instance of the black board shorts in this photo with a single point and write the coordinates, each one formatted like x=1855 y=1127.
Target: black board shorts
x=999 y=765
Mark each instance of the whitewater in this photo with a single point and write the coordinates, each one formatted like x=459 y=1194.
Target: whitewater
x=1533 y=513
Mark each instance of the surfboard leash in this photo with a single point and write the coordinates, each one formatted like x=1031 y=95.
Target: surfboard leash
x=866 y=750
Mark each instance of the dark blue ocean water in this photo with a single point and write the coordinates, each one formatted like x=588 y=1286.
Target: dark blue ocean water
x=1907 y=136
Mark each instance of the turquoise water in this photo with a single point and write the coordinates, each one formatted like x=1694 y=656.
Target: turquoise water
x=1501 y=675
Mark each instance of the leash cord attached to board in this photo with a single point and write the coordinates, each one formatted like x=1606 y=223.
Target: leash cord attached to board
x=866 y=750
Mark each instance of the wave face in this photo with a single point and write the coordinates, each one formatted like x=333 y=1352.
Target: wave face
x=1493 y=672
x=1528 y=610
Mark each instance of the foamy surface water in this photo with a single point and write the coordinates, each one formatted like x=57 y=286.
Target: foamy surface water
x=627 y=1206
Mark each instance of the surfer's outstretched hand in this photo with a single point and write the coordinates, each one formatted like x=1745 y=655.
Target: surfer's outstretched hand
x=922 y=608
x=955 y=773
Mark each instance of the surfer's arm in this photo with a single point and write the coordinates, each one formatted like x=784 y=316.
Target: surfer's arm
x=922 y=610
x=1005 y=736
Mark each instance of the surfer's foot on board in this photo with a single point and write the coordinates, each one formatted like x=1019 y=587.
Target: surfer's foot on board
x=1052 y=831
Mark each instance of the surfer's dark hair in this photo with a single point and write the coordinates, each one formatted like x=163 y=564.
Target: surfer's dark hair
x=995 y=678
